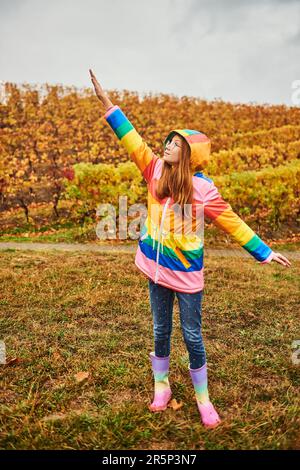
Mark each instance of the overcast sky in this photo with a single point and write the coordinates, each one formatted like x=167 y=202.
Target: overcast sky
x=236 y=50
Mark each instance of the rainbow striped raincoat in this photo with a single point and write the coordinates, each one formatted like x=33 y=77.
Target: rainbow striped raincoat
x=170 y=247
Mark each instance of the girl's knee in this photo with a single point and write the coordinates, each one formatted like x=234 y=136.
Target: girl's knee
x=162 y=335
x=194 y=342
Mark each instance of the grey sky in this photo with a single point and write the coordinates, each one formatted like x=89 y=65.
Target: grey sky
x=237 y=50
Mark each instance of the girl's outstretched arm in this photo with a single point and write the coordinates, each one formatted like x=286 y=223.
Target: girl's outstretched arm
x=137 y=148
x=222 y=215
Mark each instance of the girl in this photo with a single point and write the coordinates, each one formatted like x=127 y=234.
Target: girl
x=173 y=263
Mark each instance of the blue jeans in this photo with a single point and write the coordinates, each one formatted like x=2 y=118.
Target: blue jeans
x=162 y=300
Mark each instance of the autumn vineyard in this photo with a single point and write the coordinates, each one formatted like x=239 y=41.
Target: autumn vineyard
x=57 y=151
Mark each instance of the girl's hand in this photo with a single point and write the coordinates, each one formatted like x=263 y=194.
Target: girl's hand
x=98 y=88
x=279 y=258
x=100 y=92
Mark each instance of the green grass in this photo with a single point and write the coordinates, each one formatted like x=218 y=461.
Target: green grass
x=58 y=233
x=62 y=314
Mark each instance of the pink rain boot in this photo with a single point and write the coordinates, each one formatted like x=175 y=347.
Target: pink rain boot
x=209 y=416
x=162 y=390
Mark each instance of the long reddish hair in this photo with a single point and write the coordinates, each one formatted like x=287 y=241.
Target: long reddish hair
x=176 y=180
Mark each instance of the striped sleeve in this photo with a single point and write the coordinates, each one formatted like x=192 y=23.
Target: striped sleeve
x=222 y=215
x=138 y=150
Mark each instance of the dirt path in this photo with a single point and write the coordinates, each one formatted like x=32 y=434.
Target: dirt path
x=227 y=252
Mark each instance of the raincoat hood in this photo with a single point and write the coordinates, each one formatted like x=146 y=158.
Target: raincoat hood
x=200 y=146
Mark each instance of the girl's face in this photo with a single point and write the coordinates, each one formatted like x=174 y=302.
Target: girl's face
x=173 y=150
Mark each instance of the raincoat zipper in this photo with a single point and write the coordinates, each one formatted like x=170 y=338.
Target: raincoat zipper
x=159 y=236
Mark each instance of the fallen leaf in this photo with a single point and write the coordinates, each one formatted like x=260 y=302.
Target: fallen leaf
x=56 y=355
x=174 y=404
x=81 y=376
x=15 y=360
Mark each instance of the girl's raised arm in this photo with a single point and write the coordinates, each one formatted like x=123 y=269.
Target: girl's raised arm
x=139 y=151
x=100 y=92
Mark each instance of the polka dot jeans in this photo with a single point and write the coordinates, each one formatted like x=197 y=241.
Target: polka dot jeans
x=162 y=301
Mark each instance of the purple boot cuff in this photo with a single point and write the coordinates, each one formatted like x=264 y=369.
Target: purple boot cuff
x=159 y=364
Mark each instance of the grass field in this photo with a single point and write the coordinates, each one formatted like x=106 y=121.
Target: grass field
x=62 y=314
